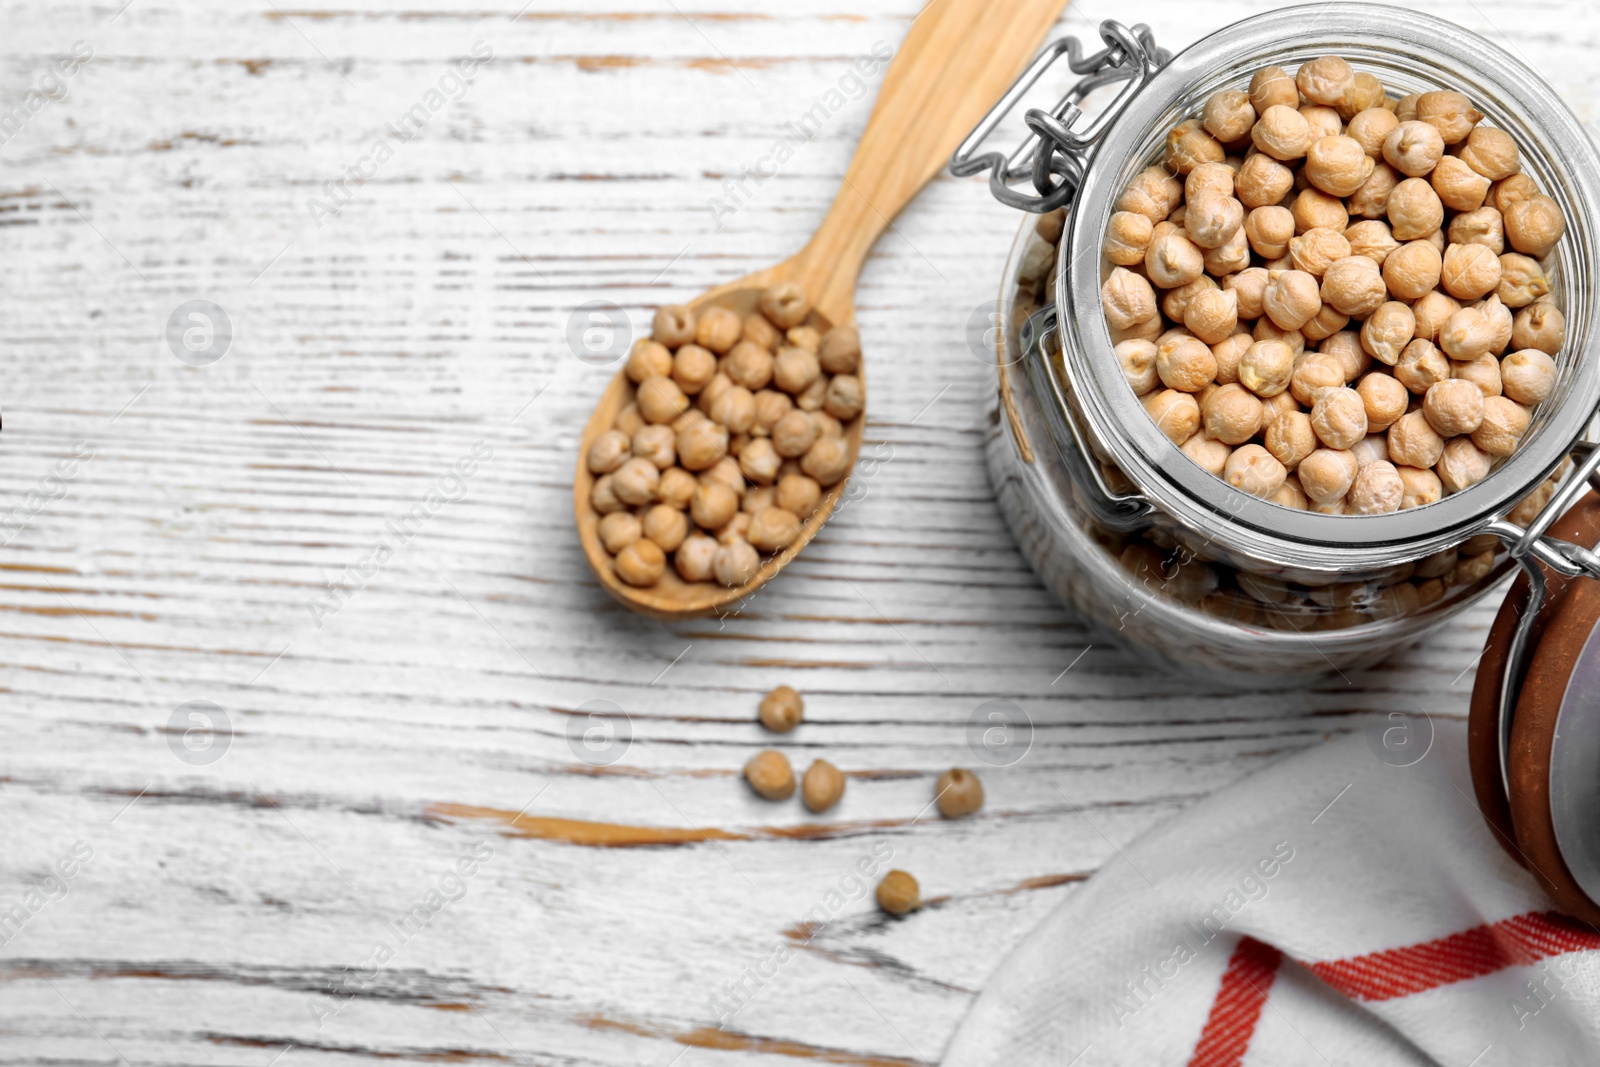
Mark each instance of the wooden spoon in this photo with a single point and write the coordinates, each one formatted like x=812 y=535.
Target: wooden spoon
x=956 y=61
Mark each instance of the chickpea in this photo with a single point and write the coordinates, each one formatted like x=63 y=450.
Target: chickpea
x=1467 y=334
x=845 y=397
x=656 y=444
x=1228 y=352
x=798 y=494
x=1405 y=109
x=735 y=563
x=1228 y=115
x=1534 y=225
x=1540 y=326
x=693 y=368
x=1504 y=423
x=828 y=460
x=1420 y=486
x=1050 y=225
x=1250 y=285
x=1326 y=323
x=1460 y=188
x=635 y=482
x=840 y=351
x=1420 y=366
x=1451 y=113
x=1322 y=122
x=1387 y=331
x=1326 y=475
x=1376 y=490
x=1339 y=165
x=1371 y=201
x=676 y=488
x=1471 y=570
x=735 y=409
x=784 y=305
x=806 y=337
x=1313 y=208
x=1385 y=400
x=781 y=710
x=1209 y=453
x=648 y=359
x=794 y=434
x=1528 y=375
x=603 y=496
x=1369 y=128
x=1185 y=363
x=1470 y=271
x=693 y=558
x=1152 y=193
x=701 y=446
x=758 y=461
x=1290 y=438
x=1211 y=315
x=1252 y=469
x=1432 y=311
x=1354 y=286
x=1291 y=299
x=770 y=775
x=1413 y=148
x=1273 y=85
x=1290 y=495
x=666 y=526
x=1269 y=230
x=1491 y=152
x=1373 y=448
x=641 y=563
x=1172 y=260
x=771 y=405
x=1231 y=256
x=1522 y=281
x=1208 y=177
x=1412 y=270
x=660 y=399
x=713 y=505
x=749 y=365
x=1366 y=94
x=898 y=893
x=1175 y=414
x=1316 y=249
x=1510 y=190
x=1262 y=182
x=629 y=420
x=620 y=529
x=1144 y=331
x=718 y=329
x=1413 y=442
x=1231 y=414
x=1483 y=372
x=608 y=452
x=793 y=369
x=1462 y=464
x=1371 y=238
x=1266 y=367
x=672 y=326
x=773 y=529
x=1326 y=80
x=1482 y=227
x=720 y=383
x=1339 y=418
x=1189 y=145
x=821 y=786
x=1414 y=210
x=1282 y=133
x=1128 y=238
x=1453 y=407
x=1211 y=218
x=1138 y=361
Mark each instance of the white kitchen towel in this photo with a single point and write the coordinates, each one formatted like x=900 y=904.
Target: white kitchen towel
x=1345 y=906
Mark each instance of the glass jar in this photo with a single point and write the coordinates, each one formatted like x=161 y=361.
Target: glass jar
x=1126 y=528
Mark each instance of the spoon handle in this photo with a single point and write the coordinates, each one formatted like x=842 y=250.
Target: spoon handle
x=957 y=59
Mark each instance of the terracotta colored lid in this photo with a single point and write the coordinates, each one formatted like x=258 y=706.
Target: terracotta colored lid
x=1563 y=673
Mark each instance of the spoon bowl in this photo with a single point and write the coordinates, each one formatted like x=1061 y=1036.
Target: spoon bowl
x=957 y=58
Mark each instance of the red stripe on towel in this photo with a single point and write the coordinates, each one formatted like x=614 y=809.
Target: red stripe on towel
x=1240 y=1000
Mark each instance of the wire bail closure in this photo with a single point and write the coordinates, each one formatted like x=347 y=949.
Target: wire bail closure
x=1054 y=154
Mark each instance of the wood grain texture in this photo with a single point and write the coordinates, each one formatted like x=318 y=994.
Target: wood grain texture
x=426 y=705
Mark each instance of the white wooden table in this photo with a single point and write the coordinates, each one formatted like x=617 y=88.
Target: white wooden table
x=367 y=748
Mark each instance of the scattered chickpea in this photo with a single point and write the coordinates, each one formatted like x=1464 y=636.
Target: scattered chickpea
x=672 y=326
x=718 y=329
x=1138 y=361
x=1453 y=407
x=676 y=488
x=1292 y=297
x=1315 y=375
x=794 y=369
x=666 y=526
x=781 y=710
x=1432 y=311
x=770 y=775
x=958 y=792
x=1412 y=270
x=821 y=786
x=1388 y=330
x=1322 y=121
x=898 y=893
x=1467 y=334
x=1483 y=372
x=798 y=494
x=1152 y=193
x=1313 y=207
x=773 y=529
x=1171 y=260
x=1212 y=315
x=1231 y=415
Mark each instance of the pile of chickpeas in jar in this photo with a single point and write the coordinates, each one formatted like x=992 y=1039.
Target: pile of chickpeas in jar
x=1334 y=299
x=736 y=430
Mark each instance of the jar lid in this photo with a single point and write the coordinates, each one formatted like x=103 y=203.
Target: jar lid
x=1545 y=811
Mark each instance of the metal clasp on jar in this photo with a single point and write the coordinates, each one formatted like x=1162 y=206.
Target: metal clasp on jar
x=1055 y=153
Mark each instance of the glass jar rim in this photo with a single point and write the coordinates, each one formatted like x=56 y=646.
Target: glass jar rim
x=1507 y=91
